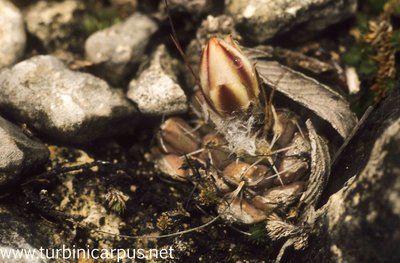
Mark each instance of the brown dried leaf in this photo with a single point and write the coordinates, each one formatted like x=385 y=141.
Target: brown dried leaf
x=308 y=92
x=320 y=168
x=277 y=228
x=293 y=59
x=301 y=61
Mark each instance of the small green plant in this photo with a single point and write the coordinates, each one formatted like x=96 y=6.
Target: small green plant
x=258 y=234
x=116 y=200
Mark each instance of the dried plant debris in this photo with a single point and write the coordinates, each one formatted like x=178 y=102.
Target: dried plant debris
x=380 y=37
x=311 y=94
x=298 y=60
x=116 y=200
x=320 y=167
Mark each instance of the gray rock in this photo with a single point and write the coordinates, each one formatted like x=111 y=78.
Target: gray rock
x=52 y=22
x=12 y=34
x=194 y=7
x=156 y=91
x=20 y=230
x=263 y=19
x=18 y=153
x=69 y=106
x=125 y=7
x=361 y=144
x=118 y=47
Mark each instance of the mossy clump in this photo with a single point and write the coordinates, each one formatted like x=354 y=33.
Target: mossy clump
x=373 y=52
x=98 y=19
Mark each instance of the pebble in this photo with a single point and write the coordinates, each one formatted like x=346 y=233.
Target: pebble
x=18 y=152
x=53 y=23
x=156 y=91
x=12 y=34
x=68 y=106
x=118 y=47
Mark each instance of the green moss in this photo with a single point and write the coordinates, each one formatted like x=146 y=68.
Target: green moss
x=367 y=69
x=376 y=6
x=357 y=53
x=352 y=56
x=390 y=86
x=99 y=19
x=362 y=22
x=360 y=54
x=396 y=10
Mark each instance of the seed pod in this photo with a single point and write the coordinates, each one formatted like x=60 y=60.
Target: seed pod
x=228 y=79
x=284 y=126
x=215 y=153
x=292 y=169
x=171 y=164
x=197 y=101
x=240 y=211
x=254 y=176
x=177 y=137
x=294 y=163
x=217 y=180
x=277 y=197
